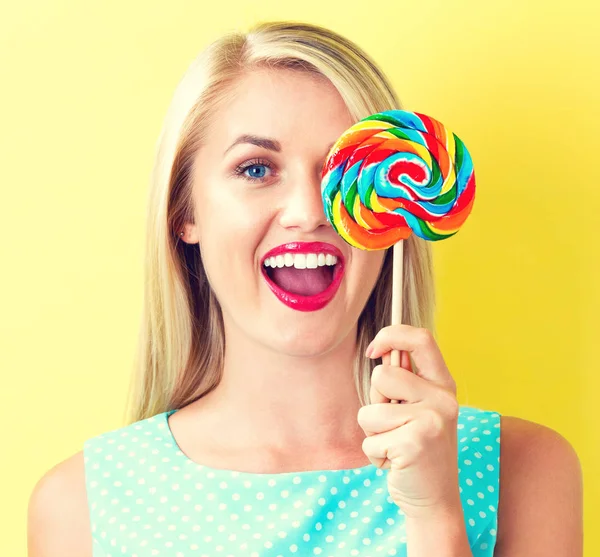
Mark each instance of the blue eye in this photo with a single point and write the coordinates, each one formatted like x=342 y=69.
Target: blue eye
x=256 y=168
x=259 y=167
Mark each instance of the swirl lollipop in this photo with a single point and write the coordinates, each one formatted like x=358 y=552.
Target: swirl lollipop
x=394 y=173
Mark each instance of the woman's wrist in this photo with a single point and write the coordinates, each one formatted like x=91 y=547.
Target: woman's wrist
x=440 y=532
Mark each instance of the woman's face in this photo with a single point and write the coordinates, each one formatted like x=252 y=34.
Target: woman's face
x=260 y=219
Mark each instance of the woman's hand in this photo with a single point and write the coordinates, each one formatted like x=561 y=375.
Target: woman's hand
x=417 y=439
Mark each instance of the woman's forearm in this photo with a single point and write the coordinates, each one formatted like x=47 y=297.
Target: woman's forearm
x=442 y=535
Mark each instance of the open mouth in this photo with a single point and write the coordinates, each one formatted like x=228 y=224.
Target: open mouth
x=304 y=280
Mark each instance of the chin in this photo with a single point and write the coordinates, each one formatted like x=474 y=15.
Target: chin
x=308 y=339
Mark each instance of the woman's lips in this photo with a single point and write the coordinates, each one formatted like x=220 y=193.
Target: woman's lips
x=307 y=303
x=298 y=301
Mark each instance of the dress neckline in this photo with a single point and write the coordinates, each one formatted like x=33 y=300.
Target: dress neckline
x=368 y=469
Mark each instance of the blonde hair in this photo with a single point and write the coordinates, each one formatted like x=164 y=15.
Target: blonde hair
x=181 y=340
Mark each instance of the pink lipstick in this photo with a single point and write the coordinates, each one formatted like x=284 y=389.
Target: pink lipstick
x=301 y=302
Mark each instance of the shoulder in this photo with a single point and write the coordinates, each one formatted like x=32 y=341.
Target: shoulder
x=57 y=520
x=532 y=454
x=540 y=505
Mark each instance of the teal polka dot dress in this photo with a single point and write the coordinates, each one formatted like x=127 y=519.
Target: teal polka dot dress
x=147 y=498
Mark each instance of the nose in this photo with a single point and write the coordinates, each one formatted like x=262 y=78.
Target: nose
x=303 y=208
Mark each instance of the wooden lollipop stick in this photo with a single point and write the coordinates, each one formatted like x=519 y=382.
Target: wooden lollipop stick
x=398 y=258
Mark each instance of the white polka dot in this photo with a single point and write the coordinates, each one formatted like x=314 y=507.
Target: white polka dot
x=162 y=499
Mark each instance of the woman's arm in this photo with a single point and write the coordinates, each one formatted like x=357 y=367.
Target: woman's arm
x=540 y=509
x=58 y=522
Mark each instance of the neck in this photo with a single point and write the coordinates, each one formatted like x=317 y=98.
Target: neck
x=281 y=402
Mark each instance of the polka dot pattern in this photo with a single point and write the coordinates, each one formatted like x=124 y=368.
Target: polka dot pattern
x=147 y=498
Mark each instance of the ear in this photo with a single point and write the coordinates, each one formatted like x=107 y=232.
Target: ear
x=190 y=233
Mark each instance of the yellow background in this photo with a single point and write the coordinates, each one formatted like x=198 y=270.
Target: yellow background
x=84 y=90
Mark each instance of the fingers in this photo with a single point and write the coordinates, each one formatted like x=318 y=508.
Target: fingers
x=404 y=359
x=386 y=359
x=421 y=345
x=379 y=418
x=388 y=382
x=378 y=447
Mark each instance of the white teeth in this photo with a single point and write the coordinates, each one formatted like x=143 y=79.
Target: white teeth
x=311 y=261
x=301 y=260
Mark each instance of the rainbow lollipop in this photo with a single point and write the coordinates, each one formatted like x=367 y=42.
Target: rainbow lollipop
x=394 y=173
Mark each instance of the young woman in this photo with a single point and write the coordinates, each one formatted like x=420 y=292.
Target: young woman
x=260 y=424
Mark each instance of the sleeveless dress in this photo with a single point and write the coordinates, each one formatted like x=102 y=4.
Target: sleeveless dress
x=147 y=498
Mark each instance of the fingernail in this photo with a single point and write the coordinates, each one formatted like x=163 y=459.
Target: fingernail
x=369 y=351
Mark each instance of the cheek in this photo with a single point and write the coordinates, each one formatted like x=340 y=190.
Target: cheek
x=222 y=218
x=367 y=268
x=230 y=233
x=370 y=264
x=234 y=208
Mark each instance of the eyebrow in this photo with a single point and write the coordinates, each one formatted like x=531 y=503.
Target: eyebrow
x=264 y=142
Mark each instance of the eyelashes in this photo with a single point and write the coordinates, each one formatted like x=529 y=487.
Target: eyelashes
x=253 y=164
x=240 y=170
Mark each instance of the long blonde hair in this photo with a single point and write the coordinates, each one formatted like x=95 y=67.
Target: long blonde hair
x=181 y=340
